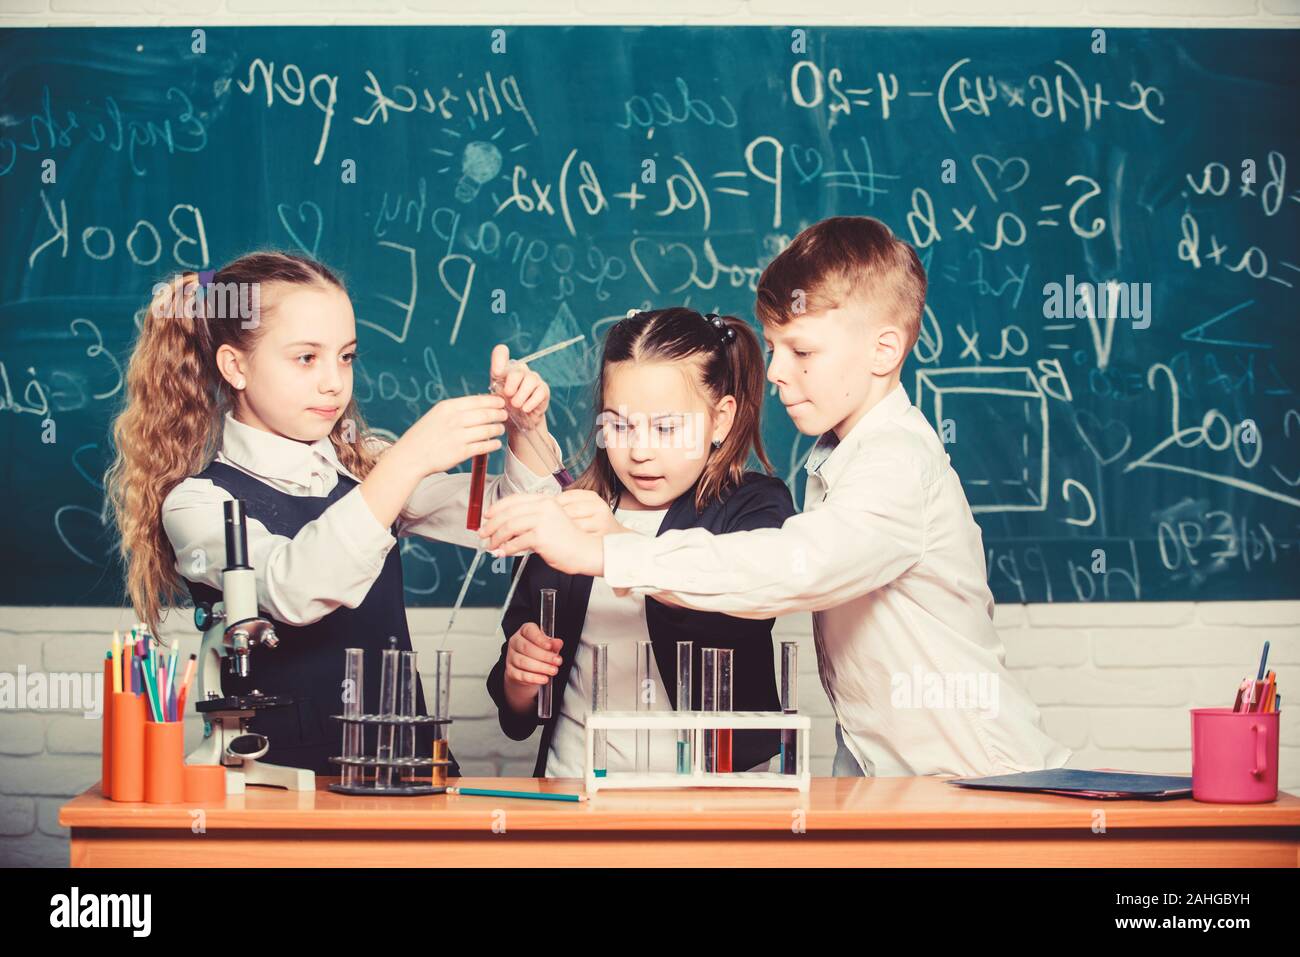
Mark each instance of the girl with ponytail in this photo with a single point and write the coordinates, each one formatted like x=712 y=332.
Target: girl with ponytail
x=240 y=387
x=678 y=401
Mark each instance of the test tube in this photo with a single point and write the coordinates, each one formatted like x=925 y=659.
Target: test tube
x=725 y=656
x=389 y=678
x=789 y=704
x=599 y=703
x=406 y=697
x=354 y=691
x=709 y=702
x=441 y=709
x=645 y=701
x=526 y=428
x=685 y=736
x=477 y=480
x=547 y=623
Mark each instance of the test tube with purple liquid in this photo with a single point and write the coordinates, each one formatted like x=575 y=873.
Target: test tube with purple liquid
x=526 y=428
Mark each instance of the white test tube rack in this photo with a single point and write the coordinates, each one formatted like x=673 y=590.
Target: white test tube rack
x=699 y=721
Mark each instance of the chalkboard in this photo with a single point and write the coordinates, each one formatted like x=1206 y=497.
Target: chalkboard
x=1148 y=450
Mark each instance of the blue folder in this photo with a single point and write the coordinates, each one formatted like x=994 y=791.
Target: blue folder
x=1086 y=784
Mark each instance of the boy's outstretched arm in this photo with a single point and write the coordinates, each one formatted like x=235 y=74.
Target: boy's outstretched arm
x=870 y=530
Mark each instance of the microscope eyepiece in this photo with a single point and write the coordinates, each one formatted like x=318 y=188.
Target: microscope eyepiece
x=236 y=535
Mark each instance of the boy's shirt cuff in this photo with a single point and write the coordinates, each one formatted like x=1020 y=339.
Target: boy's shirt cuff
x=631 y=566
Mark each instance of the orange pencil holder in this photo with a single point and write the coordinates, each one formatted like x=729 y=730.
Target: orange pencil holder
x=106 y=769
x=204 y=784
x=164 y=746
x=126 y=732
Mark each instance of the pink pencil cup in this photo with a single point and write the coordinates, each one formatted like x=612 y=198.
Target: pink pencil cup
x=1234 y=756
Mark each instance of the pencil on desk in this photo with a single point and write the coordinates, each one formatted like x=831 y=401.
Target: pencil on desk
x=529 y=795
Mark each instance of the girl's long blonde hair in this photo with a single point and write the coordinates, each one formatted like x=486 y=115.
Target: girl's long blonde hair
x=175 y=401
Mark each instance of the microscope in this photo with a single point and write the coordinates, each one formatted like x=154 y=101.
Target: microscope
x=232 y=628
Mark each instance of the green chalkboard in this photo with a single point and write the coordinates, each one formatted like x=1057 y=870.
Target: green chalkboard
x=1148 y=453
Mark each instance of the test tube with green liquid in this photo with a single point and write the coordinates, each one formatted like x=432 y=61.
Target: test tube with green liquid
x=685 y=736
x=599 y=703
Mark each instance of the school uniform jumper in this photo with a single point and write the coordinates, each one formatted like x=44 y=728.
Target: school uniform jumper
x=308 y=664
x=328 y=574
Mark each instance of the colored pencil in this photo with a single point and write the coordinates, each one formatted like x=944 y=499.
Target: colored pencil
x=528 y=795
x=117 y=664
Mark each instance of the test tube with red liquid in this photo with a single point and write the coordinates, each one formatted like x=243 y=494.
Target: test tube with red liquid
x=724 y=704
x=477 y=480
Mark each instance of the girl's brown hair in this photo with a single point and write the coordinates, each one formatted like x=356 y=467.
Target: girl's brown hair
x=725 y=358
x=170 y=426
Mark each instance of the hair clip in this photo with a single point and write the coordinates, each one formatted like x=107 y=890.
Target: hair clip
x=728 y=334
x=631 y=313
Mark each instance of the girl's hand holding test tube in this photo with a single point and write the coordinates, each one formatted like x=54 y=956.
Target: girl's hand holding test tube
x=448 y=434
x=527 y=397
x=451 y=432
x=455 y=430
x=526 y=391
x=532 y=659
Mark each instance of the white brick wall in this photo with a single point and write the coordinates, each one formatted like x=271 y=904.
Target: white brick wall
x=1115 y=681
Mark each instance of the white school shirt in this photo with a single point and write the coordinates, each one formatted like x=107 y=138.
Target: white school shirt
x=620 y=623
x=334 y=560
x=887 y=556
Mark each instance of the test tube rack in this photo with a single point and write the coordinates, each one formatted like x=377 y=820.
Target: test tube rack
x=397 y=789
x=801 y=724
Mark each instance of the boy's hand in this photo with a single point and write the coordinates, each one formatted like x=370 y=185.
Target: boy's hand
x=521 y=523
x=531 y=661
x=589 y=512
x=451 y=432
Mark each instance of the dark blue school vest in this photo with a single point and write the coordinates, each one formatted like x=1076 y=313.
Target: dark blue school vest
x=307 y=666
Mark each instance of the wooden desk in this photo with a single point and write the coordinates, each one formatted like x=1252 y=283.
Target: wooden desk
x=884 y=822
